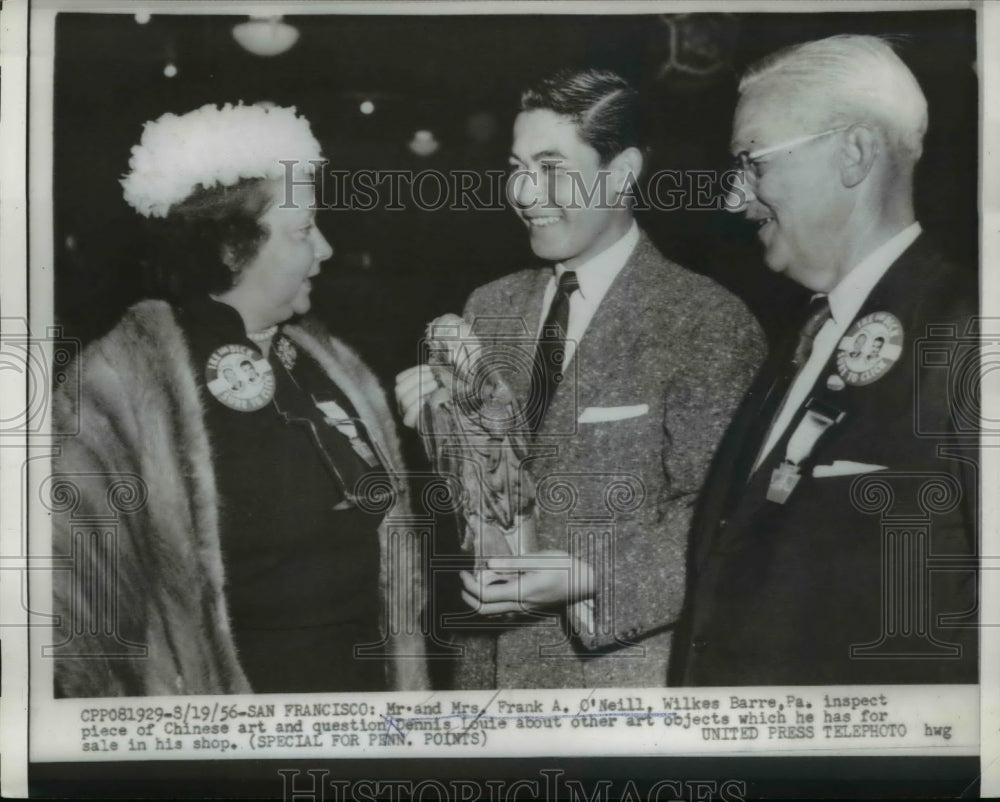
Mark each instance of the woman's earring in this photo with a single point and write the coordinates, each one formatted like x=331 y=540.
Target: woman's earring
x=229 y=260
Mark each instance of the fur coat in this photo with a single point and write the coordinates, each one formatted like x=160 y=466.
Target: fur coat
x=143 y=612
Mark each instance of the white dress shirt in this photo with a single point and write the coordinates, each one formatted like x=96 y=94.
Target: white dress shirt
x=595 y=276
x=845 y=302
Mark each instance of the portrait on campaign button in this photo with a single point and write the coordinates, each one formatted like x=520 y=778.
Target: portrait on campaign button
x=239 y=378
x=871 y=346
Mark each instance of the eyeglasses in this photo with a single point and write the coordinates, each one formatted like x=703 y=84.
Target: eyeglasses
x=749 y=161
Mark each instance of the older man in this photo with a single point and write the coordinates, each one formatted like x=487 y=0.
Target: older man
x=836 y=538
x=653 y=360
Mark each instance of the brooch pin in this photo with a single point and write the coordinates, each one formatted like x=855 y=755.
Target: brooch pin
x=287 y=354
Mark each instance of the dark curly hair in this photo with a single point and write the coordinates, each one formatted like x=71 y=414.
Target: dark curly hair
x=602 y=104
x=204 y=241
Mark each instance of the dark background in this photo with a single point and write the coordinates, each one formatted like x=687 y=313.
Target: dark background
x=395 y=270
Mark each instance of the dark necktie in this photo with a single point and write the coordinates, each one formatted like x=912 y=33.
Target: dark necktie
x=783 y=371
x=819 y=313
x=546 y=372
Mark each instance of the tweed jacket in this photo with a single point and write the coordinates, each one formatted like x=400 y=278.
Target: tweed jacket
x=619 y=460
x=142 y=454
x=830 y=586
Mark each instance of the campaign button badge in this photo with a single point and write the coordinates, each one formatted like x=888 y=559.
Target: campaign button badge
x=871 y=346
x=239 y=377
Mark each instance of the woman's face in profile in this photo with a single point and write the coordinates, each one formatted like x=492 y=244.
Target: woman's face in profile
x=274 y=285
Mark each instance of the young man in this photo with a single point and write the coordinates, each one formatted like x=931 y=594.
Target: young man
x=836 y=540
x=630 y=423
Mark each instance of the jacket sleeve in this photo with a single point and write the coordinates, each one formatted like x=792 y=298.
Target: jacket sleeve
x=640 y=587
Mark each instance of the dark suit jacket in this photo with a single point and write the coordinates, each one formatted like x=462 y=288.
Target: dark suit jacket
x=679 y=351
x=832 y=587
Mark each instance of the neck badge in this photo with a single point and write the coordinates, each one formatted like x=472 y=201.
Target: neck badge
x=240 y=378
x=336 y=416
x=871 y=346
x=819 y=418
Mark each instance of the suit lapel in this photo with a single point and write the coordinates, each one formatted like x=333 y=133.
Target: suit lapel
x=604 y=359
x=528 y=303
x=514 y=322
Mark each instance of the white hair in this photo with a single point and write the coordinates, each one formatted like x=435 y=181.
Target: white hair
x=854 y=79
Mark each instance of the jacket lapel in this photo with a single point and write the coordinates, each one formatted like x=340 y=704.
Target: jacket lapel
x=604 y=362
x=525 y=301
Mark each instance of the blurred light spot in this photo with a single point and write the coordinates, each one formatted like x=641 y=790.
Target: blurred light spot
x=170 y=70
x=423 y=143
x=143 y=17
x=367 y=107
x=265 y=35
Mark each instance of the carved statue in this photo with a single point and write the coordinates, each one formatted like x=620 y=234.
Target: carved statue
x=474 y=431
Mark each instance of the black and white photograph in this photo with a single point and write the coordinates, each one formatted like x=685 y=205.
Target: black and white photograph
x=501 y=400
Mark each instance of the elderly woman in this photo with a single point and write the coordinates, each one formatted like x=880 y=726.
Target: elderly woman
x=261 y=449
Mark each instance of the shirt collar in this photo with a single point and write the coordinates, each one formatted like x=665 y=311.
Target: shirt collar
x=848 y=296
x=596 y=274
